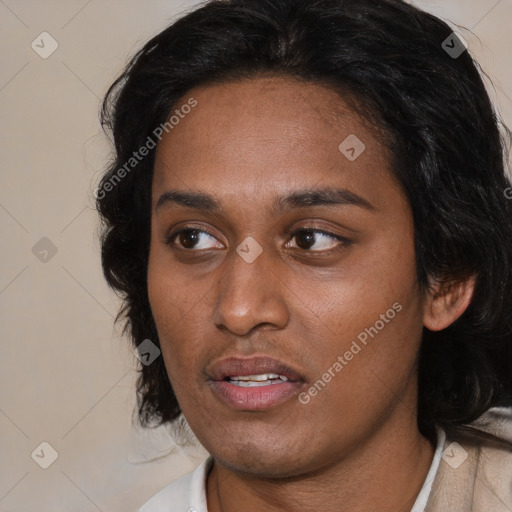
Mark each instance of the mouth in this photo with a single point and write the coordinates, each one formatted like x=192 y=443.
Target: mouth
x=256 y=383
x=251 y=381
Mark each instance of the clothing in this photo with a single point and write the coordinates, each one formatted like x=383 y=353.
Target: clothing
x=422 y=498
x=483 y=482
x=463 y=476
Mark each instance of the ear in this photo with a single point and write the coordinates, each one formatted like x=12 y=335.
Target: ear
x=445 y=303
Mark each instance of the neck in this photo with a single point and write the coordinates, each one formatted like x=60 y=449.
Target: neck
x=385 y=472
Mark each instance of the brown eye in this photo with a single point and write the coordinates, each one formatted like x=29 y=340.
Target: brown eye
x=305 y=239
x=322 y=241
x=189 y=238
x=193 y=239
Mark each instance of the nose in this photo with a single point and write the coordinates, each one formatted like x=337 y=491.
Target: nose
x=250 y=295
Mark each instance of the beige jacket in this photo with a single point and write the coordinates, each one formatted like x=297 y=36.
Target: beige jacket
x=482 y=481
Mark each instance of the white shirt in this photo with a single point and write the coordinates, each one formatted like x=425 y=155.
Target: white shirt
x=188 y=493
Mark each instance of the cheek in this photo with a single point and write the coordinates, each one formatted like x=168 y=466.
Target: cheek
x=355 y=296
x=371 y=317
x=364 y=365
x=170 y=302
x=172 y=294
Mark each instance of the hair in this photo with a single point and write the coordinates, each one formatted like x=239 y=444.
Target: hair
x=446 y=148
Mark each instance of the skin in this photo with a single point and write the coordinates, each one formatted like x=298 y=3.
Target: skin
x=355 y=446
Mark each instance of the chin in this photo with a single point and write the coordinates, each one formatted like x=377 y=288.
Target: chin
x=265 y=459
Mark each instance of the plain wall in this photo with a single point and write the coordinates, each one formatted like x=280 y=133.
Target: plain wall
x=66 y=375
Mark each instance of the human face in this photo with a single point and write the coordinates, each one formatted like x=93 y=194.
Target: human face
x=306 y=298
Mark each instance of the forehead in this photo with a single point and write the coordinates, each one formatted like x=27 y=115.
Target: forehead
x=258 y=131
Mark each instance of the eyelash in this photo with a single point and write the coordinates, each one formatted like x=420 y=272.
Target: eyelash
x=345 y=242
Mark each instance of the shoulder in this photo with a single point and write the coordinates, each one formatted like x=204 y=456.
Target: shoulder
x=494 y=473
x=475 y=473
x=187 y=493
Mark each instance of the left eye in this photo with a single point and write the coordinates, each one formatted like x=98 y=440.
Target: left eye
x=323 y=240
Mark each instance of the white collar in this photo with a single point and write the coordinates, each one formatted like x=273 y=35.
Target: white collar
x=421 y=500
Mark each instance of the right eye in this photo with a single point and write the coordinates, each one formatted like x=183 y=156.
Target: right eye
x=188 y=238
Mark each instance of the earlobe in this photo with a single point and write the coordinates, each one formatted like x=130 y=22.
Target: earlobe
x=445 y=304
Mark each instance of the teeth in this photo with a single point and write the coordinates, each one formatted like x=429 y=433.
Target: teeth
x=262 y=379
x=253 y=383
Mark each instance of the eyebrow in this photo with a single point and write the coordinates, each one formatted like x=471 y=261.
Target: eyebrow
x=298 y=199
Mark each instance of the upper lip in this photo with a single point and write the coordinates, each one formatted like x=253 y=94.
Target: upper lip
x=236 y=366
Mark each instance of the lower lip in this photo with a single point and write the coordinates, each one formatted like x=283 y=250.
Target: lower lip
x=255 y=398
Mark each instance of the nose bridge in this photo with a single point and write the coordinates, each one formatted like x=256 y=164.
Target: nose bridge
x=249 y=293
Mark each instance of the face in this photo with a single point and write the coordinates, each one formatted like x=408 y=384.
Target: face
x=274 y=245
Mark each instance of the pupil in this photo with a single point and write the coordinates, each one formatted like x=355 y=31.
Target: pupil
x=189 y=238
x=305 y=236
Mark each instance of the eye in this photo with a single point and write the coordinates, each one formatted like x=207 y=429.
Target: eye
x=321 y=240
x=308 y=239
x=192 y=238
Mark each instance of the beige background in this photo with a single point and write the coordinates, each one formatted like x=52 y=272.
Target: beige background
x=66 y=375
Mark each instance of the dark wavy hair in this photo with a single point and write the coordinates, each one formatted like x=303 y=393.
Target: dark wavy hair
x=445 y=141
